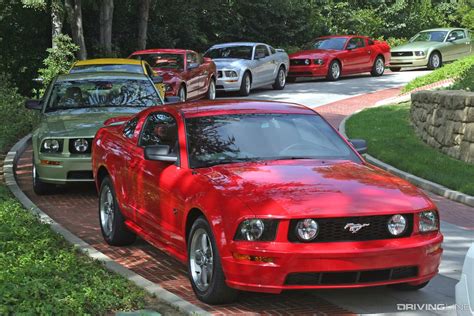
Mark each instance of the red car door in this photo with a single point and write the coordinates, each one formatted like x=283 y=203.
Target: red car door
x=193 y=74
x=357 y=56
x=154 y=181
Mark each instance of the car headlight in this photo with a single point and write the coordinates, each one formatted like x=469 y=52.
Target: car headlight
x=81 y=145
x=307 y=61
x=397 y=224
x=428 y=221
x=231 y=74
x=318 y=61
x=419 y=53
x=307 y=229
x=51 y=146
x=257 y=230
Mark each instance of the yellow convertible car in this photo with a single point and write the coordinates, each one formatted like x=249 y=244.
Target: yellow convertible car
x=119 y=65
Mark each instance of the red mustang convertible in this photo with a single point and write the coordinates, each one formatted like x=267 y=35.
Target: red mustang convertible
x=261 y=196
x=185 y=73
x=334 y=56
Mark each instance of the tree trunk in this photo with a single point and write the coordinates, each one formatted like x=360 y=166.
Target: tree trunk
x=106 y=19
x=143 y=12
x=74 y=10
x=56 y=20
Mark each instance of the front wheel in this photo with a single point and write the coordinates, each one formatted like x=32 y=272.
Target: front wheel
x=334 y=71
x=434 y=61
x=182 y=94
x=245 y=85
x=211 y=91
x=112 y=222
x=204 y=263
x=40 y=187
x=280 y=79
x=379 y=67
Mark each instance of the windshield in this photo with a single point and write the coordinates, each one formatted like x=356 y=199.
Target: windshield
x=102 y=93
x=330 y=43
x=163 y=61
x=138 y=69
x=214 y=140
x=239 y=52
x=432 y=36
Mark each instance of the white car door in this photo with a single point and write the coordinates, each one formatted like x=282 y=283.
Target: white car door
x=263 y=70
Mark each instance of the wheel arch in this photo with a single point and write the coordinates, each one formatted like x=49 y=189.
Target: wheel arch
x=191 y=217
x=102 y=172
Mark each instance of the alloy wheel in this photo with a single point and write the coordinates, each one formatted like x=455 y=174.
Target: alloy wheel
x=379 y=66
x=212 y=90
x=201 y=259
x=107 y=210
x=182 y=94
x=435 y=61
x=281 y=77
x=247 y=84
x=335 y=70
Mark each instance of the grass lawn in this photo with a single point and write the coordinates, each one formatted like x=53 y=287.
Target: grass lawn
x=462 y=70
x=392 y=140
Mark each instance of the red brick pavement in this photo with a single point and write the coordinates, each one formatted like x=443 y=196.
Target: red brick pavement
x=75 y=207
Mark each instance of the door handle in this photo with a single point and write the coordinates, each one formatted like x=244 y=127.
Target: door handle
x=369 y=52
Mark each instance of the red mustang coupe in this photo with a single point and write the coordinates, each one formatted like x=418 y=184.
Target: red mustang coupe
x=334 y=56
x=185 y=73
x=261 y=196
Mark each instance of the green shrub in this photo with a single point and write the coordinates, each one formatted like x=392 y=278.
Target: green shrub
x=461 y=70
x=15 y=121
x=392 y=41
x=41 y=274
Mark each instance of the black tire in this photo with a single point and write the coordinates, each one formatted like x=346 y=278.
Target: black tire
x=332 y=75
x=182 y=93
x=409 y=287
x=378 y=67
x=291 y=79
x=211 y=90
x=244 y=87
x=40 y=187
x=119 y=234
x=435 y=61
x=217 y=291
x=280 y=80
x=395 y=69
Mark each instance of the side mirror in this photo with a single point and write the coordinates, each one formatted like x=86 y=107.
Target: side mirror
x=259 y=55
x=34 y=104
x=192 y=66
x=159 y=153
x=451 y=39
x=157 y=79
x=351 y=46
x=360 y=145
x=172 y=99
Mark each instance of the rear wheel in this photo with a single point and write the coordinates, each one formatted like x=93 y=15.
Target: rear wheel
x=280 y=79
x=211 y=91
x=334 y=71
x=182 y=93
x=112 y=222
x=245 y=85
x=395 y=69
x=409 y=287
x=204 y=263
x=434 y=61
x=379 y=67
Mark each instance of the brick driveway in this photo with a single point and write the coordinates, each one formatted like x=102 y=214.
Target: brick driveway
x=75 y=207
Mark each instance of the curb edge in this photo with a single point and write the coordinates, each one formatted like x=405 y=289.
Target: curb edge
x=161 y=294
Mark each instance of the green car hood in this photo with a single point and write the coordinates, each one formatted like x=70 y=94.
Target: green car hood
x=79 y=122
x=416 y=46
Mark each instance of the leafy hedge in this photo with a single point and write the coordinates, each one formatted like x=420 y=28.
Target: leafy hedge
x=15 y=120
x=461 y=70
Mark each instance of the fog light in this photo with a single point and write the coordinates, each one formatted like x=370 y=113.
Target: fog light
x=397 y=224
x=307 y=229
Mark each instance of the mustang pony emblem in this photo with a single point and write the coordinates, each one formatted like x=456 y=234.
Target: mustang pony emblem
x=354 y=228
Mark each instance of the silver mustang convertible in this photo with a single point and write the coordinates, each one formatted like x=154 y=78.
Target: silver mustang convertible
x=244 y=66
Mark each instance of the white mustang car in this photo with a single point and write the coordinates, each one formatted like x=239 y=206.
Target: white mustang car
x=465 y=287
x=245 y=66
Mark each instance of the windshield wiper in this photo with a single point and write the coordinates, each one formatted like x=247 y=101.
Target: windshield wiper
x=215 y=162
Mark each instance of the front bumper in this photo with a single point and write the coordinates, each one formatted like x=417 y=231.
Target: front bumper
x=409 y=61
x=58 y=169
x=423 y=252
x=312 y=70
x=225 y=84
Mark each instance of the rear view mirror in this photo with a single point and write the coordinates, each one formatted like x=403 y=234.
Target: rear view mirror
x=159 y=153
x=157 y=79
x=34 y=104
x=360 y=145
x=172 y=99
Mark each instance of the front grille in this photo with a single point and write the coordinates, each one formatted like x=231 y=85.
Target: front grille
x=73 y=150
x=333 y=229
x=80 y=175
x=401 y=54
x=219 y=74
x=299 y=62
x=350 y=277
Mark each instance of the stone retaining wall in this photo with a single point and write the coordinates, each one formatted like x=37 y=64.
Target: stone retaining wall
x=445 y=120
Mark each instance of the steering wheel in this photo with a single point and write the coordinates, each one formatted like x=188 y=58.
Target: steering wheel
x=293 y=146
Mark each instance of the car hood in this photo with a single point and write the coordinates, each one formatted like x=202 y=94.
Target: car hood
x=222 y=63
x=312 y=53
x=300 y=188
x=415 y=46
x=80 y=122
